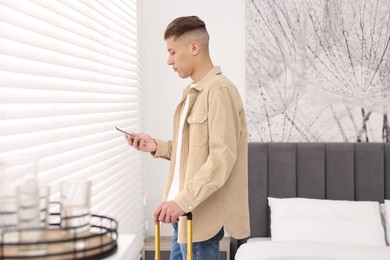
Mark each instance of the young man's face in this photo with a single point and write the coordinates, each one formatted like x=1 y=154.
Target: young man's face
x=180 y=56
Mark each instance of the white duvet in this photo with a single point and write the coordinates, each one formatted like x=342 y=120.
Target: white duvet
x=294 y=250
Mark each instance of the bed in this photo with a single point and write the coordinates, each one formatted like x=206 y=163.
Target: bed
x=338 y=173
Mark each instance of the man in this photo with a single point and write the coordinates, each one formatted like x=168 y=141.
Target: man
x=208 y=152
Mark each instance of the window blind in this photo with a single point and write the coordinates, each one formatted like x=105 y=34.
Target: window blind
x=69 y=74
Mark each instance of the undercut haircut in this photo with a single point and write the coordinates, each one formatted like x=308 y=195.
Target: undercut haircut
x=183 y=25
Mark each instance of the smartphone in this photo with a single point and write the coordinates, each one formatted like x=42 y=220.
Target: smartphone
x=124 y=132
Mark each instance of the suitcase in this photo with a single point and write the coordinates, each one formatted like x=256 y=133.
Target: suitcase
x=157 y=255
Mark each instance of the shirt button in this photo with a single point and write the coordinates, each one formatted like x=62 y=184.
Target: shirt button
x=190 y=207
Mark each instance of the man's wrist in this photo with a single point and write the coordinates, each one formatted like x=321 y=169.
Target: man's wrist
x=155 y=144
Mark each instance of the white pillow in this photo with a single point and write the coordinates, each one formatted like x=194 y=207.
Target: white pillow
x=382 y=209
x=329 y=221
x=386 y=212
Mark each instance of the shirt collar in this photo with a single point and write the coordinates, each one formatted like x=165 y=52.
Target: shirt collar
x=213 y=72
x=202 y=84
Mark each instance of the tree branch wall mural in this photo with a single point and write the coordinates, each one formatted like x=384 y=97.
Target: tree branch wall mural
x=318 y=70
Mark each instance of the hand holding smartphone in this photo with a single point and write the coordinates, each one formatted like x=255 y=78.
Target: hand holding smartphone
x=124 y=132
x=147 y=145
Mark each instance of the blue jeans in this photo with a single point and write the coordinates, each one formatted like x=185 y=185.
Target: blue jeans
x=204 y=250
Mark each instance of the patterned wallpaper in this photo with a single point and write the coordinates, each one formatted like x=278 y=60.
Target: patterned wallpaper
x=318 y=71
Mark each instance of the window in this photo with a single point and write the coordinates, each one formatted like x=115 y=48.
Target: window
x=69 y=74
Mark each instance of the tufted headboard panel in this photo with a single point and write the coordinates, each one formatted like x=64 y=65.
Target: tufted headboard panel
x=342 y=171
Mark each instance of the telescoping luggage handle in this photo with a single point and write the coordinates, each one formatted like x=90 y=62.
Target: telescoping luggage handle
x=157 y=255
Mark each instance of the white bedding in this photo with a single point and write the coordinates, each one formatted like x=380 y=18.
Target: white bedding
x=294 y=250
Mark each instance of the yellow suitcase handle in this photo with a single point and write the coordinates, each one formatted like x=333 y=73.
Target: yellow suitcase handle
x=157 y=255
x=189 y=235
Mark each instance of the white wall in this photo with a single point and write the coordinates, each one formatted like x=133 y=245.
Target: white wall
x=225 y=21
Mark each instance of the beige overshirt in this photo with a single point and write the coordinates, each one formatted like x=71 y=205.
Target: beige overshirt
x=214 y=159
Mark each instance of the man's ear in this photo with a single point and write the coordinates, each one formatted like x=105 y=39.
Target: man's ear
x=195 y=47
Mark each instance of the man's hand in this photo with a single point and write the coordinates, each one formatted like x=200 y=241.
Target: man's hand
x=167 y=212
x=142 y=142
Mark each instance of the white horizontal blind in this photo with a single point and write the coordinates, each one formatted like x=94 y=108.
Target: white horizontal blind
x=69 y=74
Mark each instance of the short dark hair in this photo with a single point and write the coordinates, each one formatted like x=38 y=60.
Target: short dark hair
x=182 y=25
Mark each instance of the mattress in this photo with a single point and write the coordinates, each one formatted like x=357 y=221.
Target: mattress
x=294 y=250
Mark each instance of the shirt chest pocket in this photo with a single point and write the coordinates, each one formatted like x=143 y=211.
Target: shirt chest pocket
x=198 y=125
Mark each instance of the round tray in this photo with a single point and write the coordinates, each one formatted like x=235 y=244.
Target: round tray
x=98 y=242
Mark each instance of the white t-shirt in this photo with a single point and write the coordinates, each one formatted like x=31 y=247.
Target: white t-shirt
x=174 y=190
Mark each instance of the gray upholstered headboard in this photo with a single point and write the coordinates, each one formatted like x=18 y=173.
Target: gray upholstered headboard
x=347 y=171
